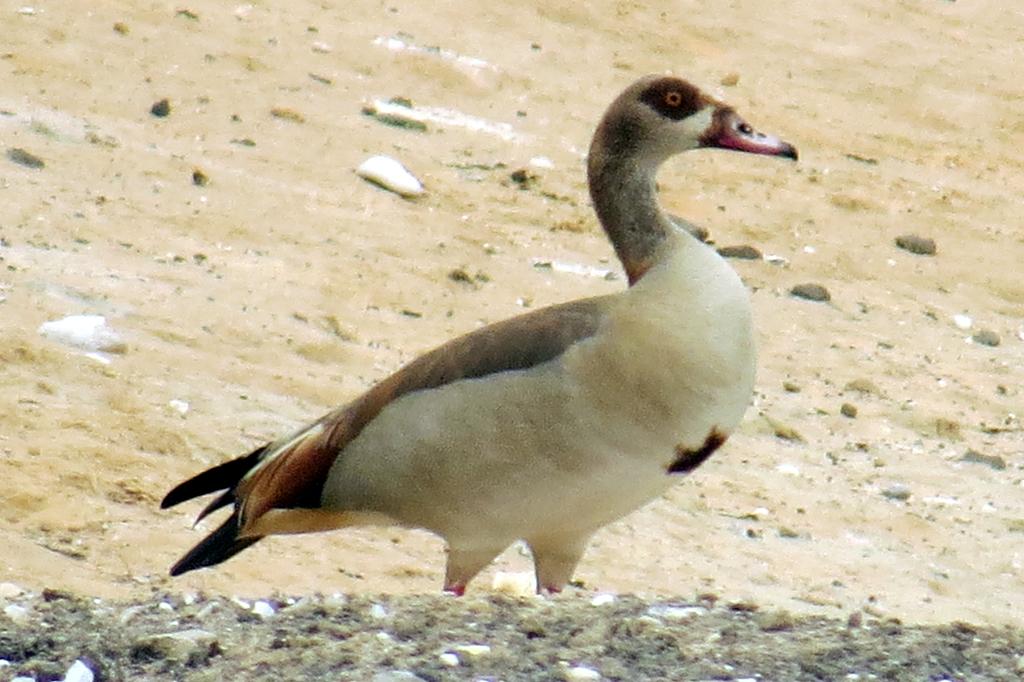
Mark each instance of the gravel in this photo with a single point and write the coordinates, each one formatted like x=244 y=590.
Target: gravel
x=491 y=637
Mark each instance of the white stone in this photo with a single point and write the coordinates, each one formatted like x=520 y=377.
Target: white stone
x=580 y=673
x=179 y=406
x=17 y=613
x=79 y=672
x=263 y=609
x=396 y=676
x=516 y=584
x=542 y=162
x=602 y=599
x=378 y=611
x=963 y=321
x=88 y=332
x=390 y=174
x=449 y=659
x=10 y=590
x=676 y=613
x=472 y=650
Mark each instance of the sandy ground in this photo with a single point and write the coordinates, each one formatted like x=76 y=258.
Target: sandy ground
x=286 y=284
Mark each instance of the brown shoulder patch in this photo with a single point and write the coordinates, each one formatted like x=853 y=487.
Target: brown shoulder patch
x=687 y=460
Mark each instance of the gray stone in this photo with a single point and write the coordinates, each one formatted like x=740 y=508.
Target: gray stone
x=190 y=647
x=811 y=292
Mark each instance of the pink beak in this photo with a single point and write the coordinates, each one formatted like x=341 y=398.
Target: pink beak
x=729 y=131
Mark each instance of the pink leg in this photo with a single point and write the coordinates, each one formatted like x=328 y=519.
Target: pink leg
x=554 y=560
x=463 y=565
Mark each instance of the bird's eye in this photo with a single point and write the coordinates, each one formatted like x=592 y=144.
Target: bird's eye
x=673 y=98
x=745 y=129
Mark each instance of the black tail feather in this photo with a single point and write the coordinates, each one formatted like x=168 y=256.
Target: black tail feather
x=221 y=477
x=218 y=546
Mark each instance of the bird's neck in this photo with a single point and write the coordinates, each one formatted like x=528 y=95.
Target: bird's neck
x=625 y=198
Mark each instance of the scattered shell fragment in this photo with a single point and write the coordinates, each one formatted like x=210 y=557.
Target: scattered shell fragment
x=388 y=173
x=88 y=332
x=575 y=268
x=398 y=113
x=441 y=116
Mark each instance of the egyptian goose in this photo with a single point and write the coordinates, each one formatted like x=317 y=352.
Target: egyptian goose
x=547 y=426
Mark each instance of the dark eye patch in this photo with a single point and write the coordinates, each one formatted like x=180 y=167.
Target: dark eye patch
x=673 y=98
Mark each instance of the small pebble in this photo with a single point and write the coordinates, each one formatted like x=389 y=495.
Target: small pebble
x=811 y=292
x=161 y=108
x=287 y=114
x=263 y=609
x=963 y=322
x=581 y=673
x=449 y=659
x=975 y=457
x=192 y=647
x=24 y=158
x=791 y=387
x=986 y=337
x=396 y=676
x=897 y=491
x=10 y=590
x=922 y=246
x=730 y=79
x=388 y=173
x=523 y=178
x=602 y=599
x=473 y=650
x=866 y=386
x=17 y=613
x=848 y=410
x=522 y=584
x=675 y=614
x=79 y=672
x=199 y=178
x=742 y=252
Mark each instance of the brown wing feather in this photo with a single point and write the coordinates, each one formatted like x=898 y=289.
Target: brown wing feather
x=291 y=472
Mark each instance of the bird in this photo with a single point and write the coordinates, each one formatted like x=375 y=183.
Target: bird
x=543 y=427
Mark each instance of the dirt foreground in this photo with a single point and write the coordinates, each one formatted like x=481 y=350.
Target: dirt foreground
x=254 y=281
